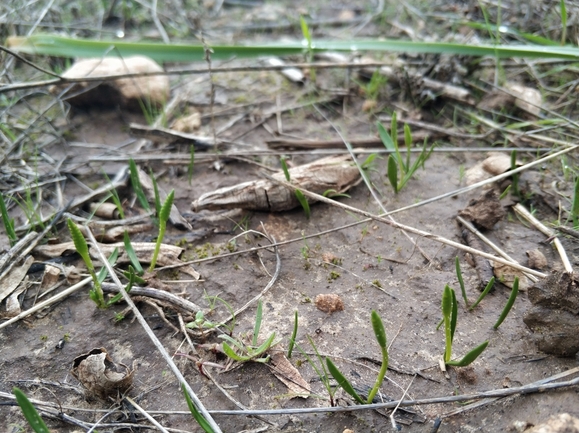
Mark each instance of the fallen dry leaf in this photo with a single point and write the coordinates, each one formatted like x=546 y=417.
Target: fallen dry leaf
x=100 y=376
x=289 y=375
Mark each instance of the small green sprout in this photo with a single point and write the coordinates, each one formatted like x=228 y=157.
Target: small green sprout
x=292 y=340
x=509 y=304
x=30 y=412
x=8 y=222
x=163 y=218
x=460 y=280
x=196 y=414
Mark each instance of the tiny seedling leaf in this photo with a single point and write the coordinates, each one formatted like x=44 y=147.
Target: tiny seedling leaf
x=342 y=381
x=393 y=172
x=470 y=356
x=80 y=244
x=112 y=260
x=165 y=211
x=292 y=340
x=509 y=304
x=284 y=168
x=136 y=183
x=460 y=280
x=304 y=202
x=487 y=289
x=378 y=327
x=132 y=254
x=257 y=326
x=8 y=222
x=454 y=316
x=196 y=414
x=231 y=353
x=385 y=137
x=264 y=346
x=30 y=412
x=446 y=314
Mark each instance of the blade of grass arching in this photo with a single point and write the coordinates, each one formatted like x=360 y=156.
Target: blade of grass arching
x=342 y=381
x=509 y=304
x=487 y=289
x=284 y=168
x=196 y=414
x=470 y=356
x=292 y=340
x=460 y=280
x=407 y=143
x=112 y=260
x=563 y=9
x=454 y=316
x=385 y=137
x=513 y=32
x=53 y=45
x=304 y=202
x=575 y=205
x=446 y=315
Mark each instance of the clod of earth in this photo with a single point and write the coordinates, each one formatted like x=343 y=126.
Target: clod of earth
x=484 y=211
x=329 y=303
x=561 y=423
x=537 y=259
x=554 y=316
x=100 y=376
x=335 y=173
x=131 y=93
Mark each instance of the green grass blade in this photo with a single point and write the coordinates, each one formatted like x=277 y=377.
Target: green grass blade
x=54 y=45
x=112 y=260
x=30 y=412
x=292 y=340
x=132 y=254
x=575 y=205
x=470 y=356
x=191 y=165
x=156 y=193
x=484 y=293
x=378 y=328
x=80 y=244
x=136 y=183
x=284 y=168
x=460 y=280
x=510 y=302
x=304 y=202
x=342 y=381
x=257 y=326
x=454 y=315
x=264 y=346
x=231 y=353
x=8 y=222
x=446 y=315
x=165 y=210
x=385 y=137
x=563 y=9
x=393 y=173
x=203 y=423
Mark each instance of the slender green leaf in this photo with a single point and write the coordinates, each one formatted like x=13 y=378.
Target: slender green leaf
x=460 y=280
x=203 y=423
x=165 y=211
x=264 y=346
x=393 y=173
x=385 y=137
x=29 y=412
x=378 y=328
x=454 y=315
x=156 y=192
x=232 y=340
x=342 y=381
x=470 y=356
x=136 y=183
x=284 y=168
x=304 y=202
x=112 y=260
x=408 y=144
x=80 y=244
x=563 y=9
x=257 y=326
x=54 y=45
x=132 y=254
x=446 y=315
x=8 y=222
x=292 y=340
x=231 y=353
x=484 y=292
x=510 y=302
x=505 y=192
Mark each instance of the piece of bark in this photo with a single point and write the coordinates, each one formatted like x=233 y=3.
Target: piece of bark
x=484 y=211
x=337 y=173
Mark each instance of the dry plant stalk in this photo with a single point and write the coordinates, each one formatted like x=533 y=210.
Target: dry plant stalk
x=336 y=173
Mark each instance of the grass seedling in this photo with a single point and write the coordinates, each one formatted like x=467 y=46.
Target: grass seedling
x=310 y=52
x=249 y=352
x=292 y=340
x=400 y=171
x=163 y=217
x=30 y=412
x=380 y=334
x=96 y=294
x=460 y=280
x=563 y=9
x=299 y=195
x=509 y=305
x=132 y=254
x=196 y=414
x=450 y=316
x=136 y=183
x=8 y=222
x=487 y=289
x=321 y=370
